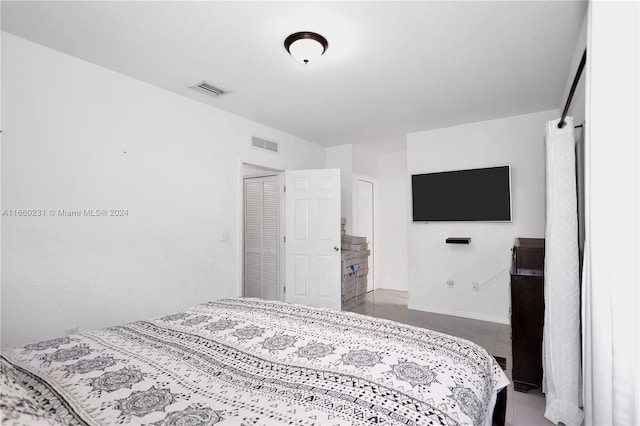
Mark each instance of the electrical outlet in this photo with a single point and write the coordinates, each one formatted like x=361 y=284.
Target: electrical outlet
x=71 y=330
x=450 y=283
x=474 y=285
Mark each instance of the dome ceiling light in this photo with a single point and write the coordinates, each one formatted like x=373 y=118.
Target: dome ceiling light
x=305 y=47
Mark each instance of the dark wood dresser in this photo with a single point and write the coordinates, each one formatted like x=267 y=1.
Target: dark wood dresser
x=527 y=312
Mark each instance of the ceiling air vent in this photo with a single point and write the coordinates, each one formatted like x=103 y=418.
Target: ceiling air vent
x=209 y=89
x=264 y=144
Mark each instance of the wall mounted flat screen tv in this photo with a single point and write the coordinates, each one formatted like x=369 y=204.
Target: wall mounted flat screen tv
x=475 y=195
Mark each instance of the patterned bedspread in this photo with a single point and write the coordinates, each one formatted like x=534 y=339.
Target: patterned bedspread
x=250 y=361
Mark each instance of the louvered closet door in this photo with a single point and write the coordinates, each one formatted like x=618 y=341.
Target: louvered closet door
x=261 y=223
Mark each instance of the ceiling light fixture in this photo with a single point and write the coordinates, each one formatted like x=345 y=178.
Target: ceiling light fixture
x=305 y=47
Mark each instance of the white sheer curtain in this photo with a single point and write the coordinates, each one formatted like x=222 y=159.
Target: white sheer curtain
x=611 y=278
x=561 y=333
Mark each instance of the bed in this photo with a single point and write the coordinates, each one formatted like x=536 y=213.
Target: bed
x=250 y=361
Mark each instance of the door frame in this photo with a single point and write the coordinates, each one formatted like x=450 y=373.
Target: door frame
x=262 y=171
x=354 y=213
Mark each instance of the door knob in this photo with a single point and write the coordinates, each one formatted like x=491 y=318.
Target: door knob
x=336 y=249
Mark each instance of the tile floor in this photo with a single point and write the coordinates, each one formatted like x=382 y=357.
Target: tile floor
x=523 y=409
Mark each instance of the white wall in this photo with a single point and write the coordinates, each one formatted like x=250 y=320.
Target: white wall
x=388 y=169
x=577 y=111
x=364 y=159
x=341 y=157
x=577 y=106
x=517 y=141
x=392 y=221
x=78 y=136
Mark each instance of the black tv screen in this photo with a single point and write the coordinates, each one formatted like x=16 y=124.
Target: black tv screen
x=463 y=195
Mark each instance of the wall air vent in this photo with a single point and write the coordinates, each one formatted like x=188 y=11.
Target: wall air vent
x=209 y=89
x=264 y=144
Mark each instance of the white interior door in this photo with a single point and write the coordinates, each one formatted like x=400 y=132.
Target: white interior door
x=313 y=237
x=364 y=222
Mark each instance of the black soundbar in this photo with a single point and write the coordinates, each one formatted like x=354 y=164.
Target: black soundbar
x=458 y=240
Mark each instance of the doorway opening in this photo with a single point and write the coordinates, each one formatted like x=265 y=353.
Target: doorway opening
x=308 y=214
x=364 y=223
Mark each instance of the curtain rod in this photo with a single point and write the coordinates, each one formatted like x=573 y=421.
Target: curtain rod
x=573 y=88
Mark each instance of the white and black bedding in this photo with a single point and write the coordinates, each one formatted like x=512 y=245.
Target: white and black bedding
x=250 y=361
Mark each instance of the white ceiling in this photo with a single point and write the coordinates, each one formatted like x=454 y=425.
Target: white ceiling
x=391 y=67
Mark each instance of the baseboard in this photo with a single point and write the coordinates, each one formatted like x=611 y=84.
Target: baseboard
x=463 y=314
x=390 y=287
